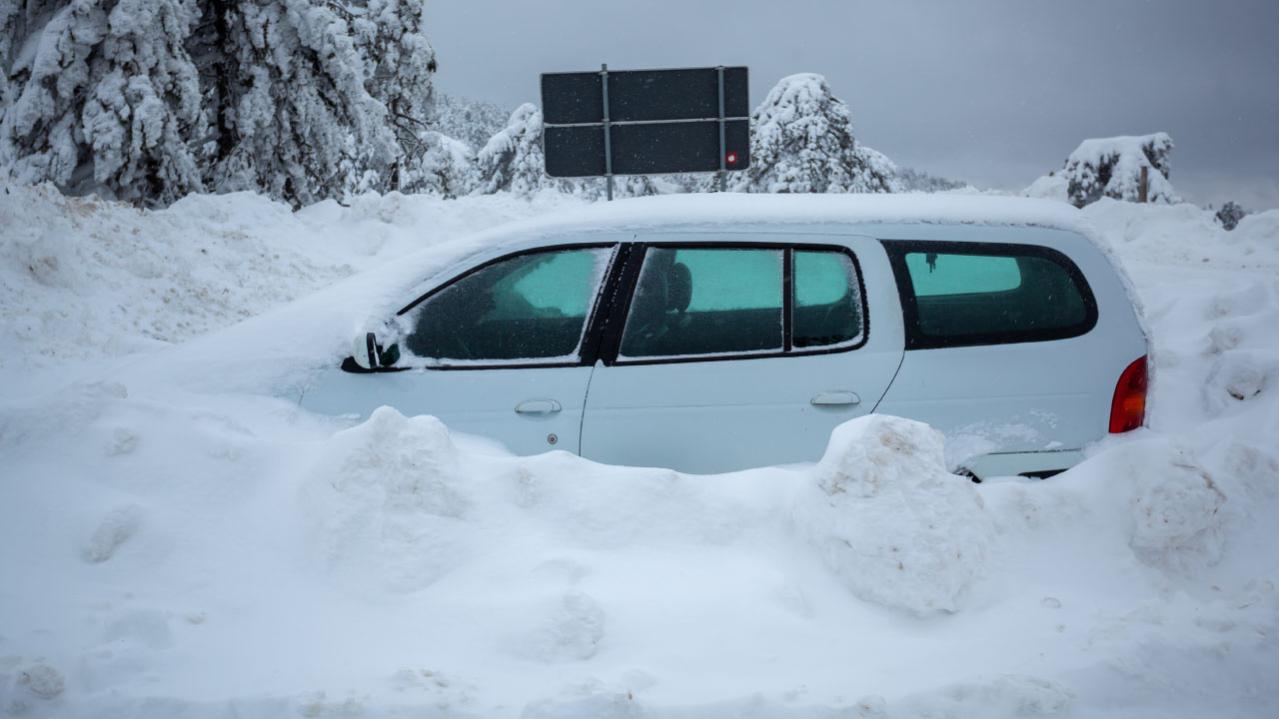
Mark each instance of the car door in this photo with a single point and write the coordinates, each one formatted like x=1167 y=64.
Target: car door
x=737 y=351
x=495 y=351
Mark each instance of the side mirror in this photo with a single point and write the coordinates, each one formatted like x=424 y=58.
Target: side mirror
x=369 y=355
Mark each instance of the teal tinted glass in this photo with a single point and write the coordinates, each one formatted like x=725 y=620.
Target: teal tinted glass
x=828 y=301
x=733 y=279
x=994 y=297
x=705 y=301
x=531 y=306
x=935 y=273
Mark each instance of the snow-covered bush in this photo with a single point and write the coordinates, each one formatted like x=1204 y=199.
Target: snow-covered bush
x=102 y=96
x=802 y=141
x=913 y=180
x=1230 y=214
x=1111 y=167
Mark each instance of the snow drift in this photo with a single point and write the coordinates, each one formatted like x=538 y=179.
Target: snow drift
x=171 y=547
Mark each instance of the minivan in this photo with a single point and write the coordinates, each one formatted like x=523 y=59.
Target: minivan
x=712 y=333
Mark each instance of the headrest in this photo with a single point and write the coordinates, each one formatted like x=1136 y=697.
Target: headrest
x=679 y=291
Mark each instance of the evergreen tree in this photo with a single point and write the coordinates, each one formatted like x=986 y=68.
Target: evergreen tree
x=802 y=141
x=102 y=96
x=471 y=121
x=512 y=160
x=401 y=64
x=446 y=167
x=147 y=100
x=301 y=120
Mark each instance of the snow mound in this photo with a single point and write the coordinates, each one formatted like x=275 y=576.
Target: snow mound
x=1111 y=167
x=1175 y=507
x=1049 y=187
x=890 y=521
x=387 y=501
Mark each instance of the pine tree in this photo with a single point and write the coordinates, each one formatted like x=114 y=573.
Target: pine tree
x=512 y=160
x=802 y=141
x=446 y=167
x=401 y=64
x=303 y=124
x=102 y=97
x=471 y=121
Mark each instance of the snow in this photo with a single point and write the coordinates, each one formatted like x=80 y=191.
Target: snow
x=175 y=541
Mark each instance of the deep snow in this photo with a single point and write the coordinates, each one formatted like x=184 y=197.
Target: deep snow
x=173 y=543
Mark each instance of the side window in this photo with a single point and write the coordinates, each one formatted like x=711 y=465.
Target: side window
x=696 y=302
x=532 y=306
x=828 y=301
x=989 y=294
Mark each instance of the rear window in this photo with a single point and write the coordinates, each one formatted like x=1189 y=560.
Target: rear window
x=957 y=294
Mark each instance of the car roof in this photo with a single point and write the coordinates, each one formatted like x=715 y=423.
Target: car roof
x=821 y=213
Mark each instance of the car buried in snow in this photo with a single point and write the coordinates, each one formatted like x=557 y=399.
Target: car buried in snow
x=717 y=332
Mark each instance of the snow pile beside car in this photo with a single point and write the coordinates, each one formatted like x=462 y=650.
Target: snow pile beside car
x=172 y=552
x=891 y=521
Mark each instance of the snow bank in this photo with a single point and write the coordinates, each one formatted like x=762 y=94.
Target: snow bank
x=85 y=279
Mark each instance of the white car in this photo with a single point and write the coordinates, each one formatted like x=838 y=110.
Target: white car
x=714 y=333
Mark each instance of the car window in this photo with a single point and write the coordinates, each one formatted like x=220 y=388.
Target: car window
x=961 y=274
x=990 y=294
x=696 y=301
x=828 y=301
x=532 y=306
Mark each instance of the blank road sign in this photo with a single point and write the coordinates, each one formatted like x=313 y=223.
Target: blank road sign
x=658 y=121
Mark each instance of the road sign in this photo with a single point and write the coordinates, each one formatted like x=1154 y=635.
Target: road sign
x=639 y=122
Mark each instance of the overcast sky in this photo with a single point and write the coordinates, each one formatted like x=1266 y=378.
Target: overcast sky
x=996 y=92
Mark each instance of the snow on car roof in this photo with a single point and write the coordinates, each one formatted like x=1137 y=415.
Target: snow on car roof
x=717 y=210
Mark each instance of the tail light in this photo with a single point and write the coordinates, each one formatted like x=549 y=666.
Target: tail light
x=1128 y=409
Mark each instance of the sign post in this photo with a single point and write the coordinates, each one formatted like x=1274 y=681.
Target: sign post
x=644 y=122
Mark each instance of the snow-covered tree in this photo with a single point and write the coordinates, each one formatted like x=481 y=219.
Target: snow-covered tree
x=913 y=180
x=102 y=96
x=802 y=141
x=1111 y=167
x=471 y=121
x=445 y=167
x=401 y=64
x=512 y=160
x=298 y=119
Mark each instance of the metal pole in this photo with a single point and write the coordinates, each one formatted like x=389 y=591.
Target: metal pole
x=723 y=145
x=608 y=135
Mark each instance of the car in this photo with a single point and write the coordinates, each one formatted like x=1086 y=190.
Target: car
x=714 y=333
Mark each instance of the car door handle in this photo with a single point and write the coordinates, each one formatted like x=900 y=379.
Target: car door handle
x=835 y=399
x=538 y=407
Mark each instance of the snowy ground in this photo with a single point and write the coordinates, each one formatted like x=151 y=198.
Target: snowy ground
x=170 y=549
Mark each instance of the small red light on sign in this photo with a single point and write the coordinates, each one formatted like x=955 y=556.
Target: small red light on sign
x=731 y=158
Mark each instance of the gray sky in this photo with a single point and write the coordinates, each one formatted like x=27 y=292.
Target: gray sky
x=996 y=92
